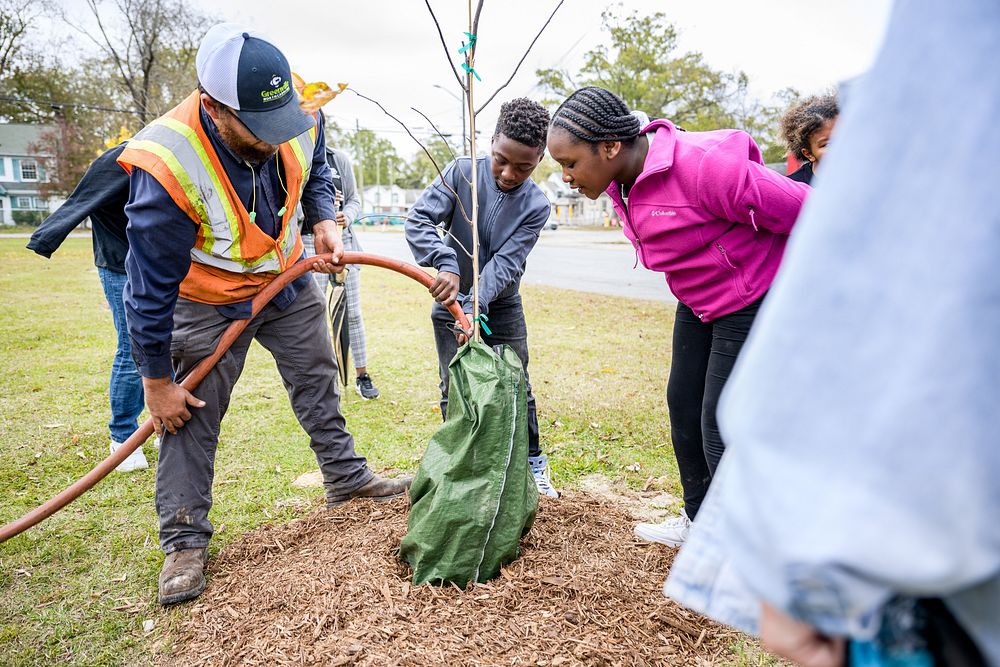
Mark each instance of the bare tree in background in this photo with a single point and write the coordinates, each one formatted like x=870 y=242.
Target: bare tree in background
x=150 y=46
x=17 y=18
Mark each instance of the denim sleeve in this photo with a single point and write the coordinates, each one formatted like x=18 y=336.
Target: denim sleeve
x=318 y=195
x=507 y=264
x=160 y=237
x=436 y=204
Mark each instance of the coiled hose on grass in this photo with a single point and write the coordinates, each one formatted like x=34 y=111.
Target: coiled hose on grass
x=198 y=373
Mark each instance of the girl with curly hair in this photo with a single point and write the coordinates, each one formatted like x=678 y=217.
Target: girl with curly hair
x=806 y=129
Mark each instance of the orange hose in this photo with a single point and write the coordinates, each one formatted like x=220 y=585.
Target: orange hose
x=198 y=373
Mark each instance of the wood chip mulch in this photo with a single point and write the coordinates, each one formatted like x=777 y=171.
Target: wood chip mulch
x=330 y=589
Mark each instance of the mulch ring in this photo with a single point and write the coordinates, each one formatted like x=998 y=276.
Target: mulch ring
x=330 y=589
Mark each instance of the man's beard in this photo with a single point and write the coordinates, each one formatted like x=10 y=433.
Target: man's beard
x=254 y=153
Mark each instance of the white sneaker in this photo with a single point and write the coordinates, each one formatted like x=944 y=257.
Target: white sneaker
x=540 y=471
x=672 y=532
x=135 y=461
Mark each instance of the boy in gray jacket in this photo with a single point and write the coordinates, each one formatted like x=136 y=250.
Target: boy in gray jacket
x=512 y=212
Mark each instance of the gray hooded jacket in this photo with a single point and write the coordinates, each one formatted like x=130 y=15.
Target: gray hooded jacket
x=509 y=224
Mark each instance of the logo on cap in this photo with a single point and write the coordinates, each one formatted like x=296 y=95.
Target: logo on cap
x=281 y=88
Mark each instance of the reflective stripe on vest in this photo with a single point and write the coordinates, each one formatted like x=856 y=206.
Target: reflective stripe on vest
x=184 y=155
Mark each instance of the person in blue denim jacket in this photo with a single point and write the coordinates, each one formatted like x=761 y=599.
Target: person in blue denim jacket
x=857 y=508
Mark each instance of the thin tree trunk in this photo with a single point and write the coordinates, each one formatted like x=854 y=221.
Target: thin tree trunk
x=475 y=182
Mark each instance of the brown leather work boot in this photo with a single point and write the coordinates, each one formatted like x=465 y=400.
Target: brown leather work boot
x=379 y=488
x=183 y=575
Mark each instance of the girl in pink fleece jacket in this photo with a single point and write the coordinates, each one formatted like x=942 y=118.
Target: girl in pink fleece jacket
x=701 y=208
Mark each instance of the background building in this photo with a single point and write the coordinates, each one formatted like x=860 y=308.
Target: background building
x=22 y=173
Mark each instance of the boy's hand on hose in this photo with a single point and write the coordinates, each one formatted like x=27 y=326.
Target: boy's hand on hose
x=168 y=403
x=444 y=289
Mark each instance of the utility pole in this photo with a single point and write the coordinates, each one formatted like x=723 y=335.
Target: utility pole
x=392 y=184
x=360 y=167
x=378 y=181
x=461 y=103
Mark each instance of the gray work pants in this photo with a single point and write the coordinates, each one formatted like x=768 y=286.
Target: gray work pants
x=299 y=341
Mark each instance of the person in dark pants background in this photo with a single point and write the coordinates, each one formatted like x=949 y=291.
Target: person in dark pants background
x=101 y=195
x=512 y=212
x=349 y=210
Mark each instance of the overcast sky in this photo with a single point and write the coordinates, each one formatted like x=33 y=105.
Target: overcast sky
x=389 y=49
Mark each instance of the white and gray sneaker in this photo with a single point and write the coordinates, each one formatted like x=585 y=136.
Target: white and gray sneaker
x=672 y=532
x=540 y=471
x=135 y=461
x=365 y=387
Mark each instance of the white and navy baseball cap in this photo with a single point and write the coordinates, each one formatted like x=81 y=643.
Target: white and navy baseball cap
x=243 y=70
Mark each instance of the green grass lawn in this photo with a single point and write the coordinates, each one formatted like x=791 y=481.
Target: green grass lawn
x=77 y=588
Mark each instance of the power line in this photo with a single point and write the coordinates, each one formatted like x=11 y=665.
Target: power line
x=56 y=106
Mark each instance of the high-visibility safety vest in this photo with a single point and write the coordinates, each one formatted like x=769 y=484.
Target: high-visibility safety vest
x=232 y=259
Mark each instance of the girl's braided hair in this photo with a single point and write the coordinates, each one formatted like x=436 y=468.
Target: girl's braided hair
x=594 y=115
x=805 y=118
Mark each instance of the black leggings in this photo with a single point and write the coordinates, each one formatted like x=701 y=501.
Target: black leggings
x=703 y=357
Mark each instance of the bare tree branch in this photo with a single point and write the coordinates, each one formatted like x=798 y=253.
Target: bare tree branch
x=15 y=19
x=149 y=45
x=421 y=222
x=447 y=53
x=446 y=142
x=109 y=48
x=422 y=147
x=514 y=73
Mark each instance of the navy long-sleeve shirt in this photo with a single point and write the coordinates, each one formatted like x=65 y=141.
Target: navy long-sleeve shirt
x=100 y=195
x=161 y=237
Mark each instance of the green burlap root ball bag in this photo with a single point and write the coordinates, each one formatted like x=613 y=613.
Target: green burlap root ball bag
x=473 y=497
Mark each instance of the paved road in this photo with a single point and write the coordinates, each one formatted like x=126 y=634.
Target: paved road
x=589 y=261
